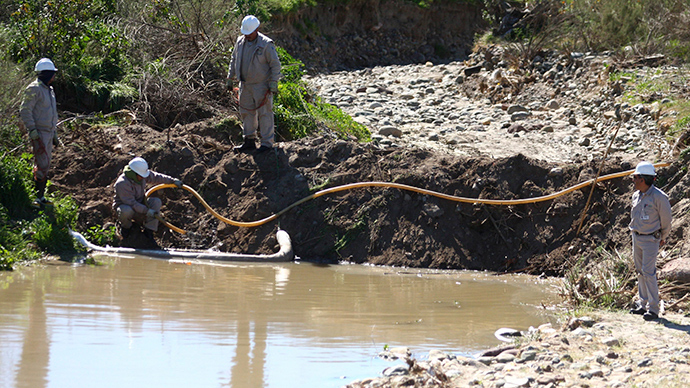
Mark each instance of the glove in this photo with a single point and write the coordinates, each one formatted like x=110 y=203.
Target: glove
x=178 y=183
x=229 y=83
x=33 y=134
x=273 y=87
x=151 y=214
x=56 y=140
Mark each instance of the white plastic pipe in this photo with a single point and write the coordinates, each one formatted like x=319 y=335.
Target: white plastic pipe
x=284 y=254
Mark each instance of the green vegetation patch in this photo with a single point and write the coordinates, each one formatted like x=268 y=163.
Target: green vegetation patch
x=299 y=112
x=27 y=233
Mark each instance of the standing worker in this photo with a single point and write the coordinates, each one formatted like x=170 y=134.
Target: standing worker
x=130 y=197
x=650 y=223
x=256 y=65
x=39 y=116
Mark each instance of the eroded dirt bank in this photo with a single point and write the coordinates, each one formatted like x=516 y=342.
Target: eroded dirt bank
x=375 y=225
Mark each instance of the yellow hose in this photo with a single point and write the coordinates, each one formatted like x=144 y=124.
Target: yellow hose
x=400 y=186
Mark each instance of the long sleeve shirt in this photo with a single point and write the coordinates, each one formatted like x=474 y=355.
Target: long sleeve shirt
x=651 y=212
x=132 y=193
x=39 y=109
x=258 y=64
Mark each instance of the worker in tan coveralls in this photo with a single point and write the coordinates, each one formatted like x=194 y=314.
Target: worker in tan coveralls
x=256 y=65
x=130 y=202
x=39 y=116
x=650 y=223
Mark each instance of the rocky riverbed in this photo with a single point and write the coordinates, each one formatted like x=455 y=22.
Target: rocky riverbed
x=567 y=110
x=603 y=349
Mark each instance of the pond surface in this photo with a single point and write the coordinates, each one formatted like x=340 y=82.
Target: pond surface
x=137 y=322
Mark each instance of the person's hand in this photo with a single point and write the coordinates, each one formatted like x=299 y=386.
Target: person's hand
x=33 y=134
x=178 y=183
x=273 y=87
x=56 y=140
x=151 y=214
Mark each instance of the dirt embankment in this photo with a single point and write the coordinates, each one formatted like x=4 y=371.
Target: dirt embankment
x=376 y=225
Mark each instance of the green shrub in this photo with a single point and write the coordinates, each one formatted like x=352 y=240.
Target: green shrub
x=299 y=112
x=292 y=69
x=679 y=49
x=339 y=121
x=648 y=26
x=51 y=229
x=15 y=185
x=80 y=37
x=64 y=30
x=14 y=245
x=26 y=234
x=262 y=9
x=102 y=236
x=293 y=118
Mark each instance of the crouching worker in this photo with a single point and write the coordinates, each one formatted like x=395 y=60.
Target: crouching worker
x=131 y=203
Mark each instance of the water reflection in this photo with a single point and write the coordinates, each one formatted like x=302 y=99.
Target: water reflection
x=143 y=322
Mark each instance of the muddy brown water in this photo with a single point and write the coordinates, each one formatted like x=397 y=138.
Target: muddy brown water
x=137 y=322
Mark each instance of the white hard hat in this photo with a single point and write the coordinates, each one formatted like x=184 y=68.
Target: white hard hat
x=249 y=24
x=645 y=168
x=139 y=166
x=45 y=64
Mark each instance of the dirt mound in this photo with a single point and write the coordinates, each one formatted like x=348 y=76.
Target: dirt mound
x=376 y=225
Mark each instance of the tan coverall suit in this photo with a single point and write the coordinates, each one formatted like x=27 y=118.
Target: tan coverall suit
x=650 y=222
x=130 y=195
x=39 y=111
x=255 y=64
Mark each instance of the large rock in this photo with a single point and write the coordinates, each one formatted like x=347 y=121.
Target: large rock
x=389 y=130
x=676 y=270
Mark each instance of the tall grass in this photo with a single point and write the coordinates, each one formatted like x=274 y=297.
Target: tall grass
x=645 y=26
x=51 y=229
x=604 y=279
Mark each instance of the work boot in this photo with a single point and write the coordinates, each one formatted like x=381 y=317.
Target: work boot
x=149 y=234
x=41 y=188
x=125 y=232
x=41 y=203
x=638 y=310
x=248 y=146
x=650 y=316
x=263 y=149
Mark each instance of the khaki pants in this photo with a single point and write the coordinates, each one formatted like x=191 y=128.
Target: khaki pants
x=645 y=250
x=43 y=149
x=257 y=117
x=126 y=214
